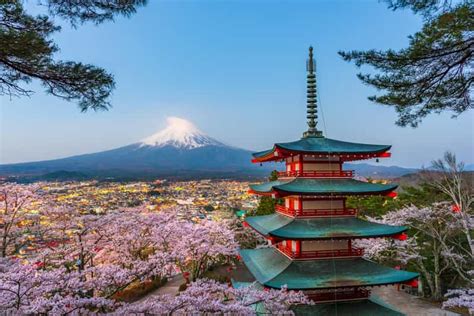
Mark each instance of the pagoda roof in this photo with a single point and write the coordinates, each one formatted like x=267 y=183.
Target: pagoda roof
x=367 y=307
x=285 y=227
x=273 y=269
x=326 y=186
x=320 y=145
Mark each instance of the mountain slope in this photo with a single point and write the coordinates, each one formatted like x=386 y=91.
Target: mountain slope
x=377 y=171
x=178 y=150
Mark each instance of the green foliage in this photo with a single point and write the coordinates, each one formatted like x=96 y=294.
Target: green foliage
x=425 y=7
x=273 y=176
x=209 y=208
x=26 y=51
x=421 y=196
x=266 y=206
x=434 y=73
x=373 y=206
x=95 y=11
x=376 y=206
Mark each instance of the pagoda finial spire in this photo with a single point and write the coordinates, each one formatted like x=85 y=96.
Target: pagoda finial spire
x=311 y=106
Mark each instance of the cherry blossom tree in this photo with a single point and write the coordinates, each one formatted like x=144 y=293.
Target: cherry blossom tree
x=84 y=260
x=434 y=246
x=211 y=297
x=112 y=250
x=199 y=246
x=26 y=289
x=19 y=217
x=460 y=298
x=449 y=178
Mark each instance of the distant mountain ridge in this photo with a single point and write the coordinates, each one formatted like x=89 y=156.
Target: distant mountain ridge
x=180 y=150
x=377 y=172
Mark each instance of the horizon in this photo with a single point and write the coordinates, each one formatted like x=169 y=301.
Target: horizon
x=252 y=79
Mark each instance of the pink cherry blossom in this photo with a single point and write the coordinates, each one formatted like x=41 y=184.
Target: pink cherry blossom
x=207 y=296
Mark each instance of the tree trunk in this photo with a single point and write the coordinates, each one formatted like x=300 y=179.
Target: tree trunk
x=437 y=294
x=427 y=275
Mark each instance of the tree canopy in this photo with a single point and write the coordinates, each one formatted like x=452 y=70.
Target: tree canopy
x=435 y=72
x=27 y=50
x=266 y=205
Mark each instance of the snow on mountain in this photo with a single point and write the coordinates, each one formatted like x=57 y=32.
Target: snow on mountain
x=181 y=150
x=179 y=133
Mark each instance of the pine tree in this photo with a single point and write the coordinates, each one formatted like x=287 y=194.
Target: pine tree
x=27 y=51
x=435 y=72
x=266 y=205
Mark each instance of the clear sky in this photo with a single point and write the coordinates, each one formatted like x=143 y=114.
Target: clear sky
x=237 y=70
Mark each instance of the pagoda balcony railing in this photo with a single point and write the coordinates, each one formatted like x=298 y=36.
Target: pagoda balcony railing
x=320 y=254
x=282 y=209
x=356 y=294
x=321 y=174
x=315 y=212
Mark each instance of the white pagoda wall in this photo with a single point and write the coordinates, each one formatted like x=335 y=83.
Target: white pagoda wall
x=321 y=166
x=323 y=204
x=310 y=245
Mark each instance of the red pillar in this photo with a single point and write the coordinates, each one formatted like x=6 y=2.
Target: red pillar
x=300 y=205
x=298 y=248
x=300 y=162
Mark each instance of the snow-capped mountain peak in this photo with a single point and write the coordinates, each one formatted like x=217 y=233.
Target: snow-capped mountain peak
x=179 y=133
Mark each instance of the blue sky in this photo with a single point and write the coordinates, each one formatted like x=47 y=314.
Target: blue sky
x=237 y=70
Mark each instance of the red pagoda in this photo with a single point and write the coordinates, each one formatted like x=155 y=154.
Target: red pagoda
x=312 y=231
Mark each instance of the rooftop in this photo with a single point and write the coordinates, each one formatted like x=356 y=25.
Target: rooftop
x=322 y=187
x=273 y=269
x=285 y=227
x=320 y=145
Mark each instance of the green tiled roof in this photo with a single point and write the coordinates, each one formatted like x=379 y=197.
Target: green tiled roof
x=273 y=269
x=323 y=186
x=325 y=145
x=368 y=307
x=320 y=228
x=357 y=308
x=241 y=284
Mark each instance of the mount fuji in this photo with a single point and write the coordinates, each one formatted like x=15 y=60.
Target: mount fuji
x=181 y=150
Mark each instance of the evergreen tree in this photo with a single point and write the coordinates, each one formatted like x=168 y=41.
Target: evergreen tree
x=267 y=204
x=435 y=72
x=27 y=51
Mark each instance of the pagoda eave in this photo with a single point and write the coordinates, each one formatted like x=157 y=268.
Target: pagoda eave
x=342 y=237
x=281 y=227
x=283 y=193
x=279 y=287
x=323 y=148
x=274 y=270
x=321 y=187
x=342 y=156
